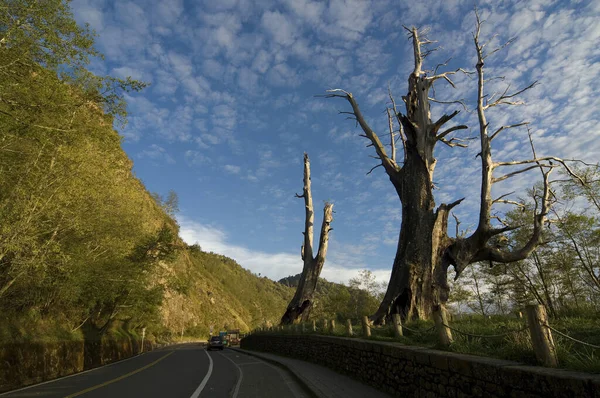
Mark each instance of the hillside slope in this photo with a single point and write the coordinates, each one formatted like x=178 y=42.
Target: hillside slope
x=214 y=291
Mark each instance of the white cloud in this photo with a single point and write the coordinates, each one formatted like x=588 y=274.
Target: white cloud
x=195 y=158
x=125 y=71
x=273 y=265
x=283 y=75
x=308 y=10
x=91 y=13
x=232 y=169
x=261 y=61
x=281 y=28
x=156 y=153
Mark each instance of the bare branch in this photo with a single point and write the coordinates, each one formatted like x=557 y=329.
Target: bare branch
x=490 y=39
x=506 y=228
x=401 y=129
x=454 y=204
x=460 y=102
x=509 y=202
x=370 y=171
x=440 y=65
x=545 y=158
x=392 y=141
x=308 y=205
x=503 y=99
x=507 y=127
x=504 y=196
x=490 y=79
x=389 y=165
x=501 y=221
x=444 y=76
x=457 y=224
x=514 y=173
x=451 y=129
x=454 y=142
x=508 y=43
x=324 y=237
x=443 y=120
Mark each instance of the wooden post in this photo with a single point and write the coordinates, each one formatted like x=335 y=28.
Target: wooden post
x=520 y=315
x=541 y=337
x=314 y=325
x=143 y=336
x=324 y=326
x=303 y=328
x=332 y=326
x=366 y=327
x=397 y=325
x=349 y=327
x=441 y=320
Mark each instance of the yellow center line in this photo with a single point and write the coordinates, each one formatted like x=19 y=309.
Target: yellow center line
x=118 y=378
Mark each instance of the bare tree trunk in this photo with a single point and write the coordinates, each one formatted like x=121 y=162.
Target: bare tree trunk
x=418 y=280
x=302 y=302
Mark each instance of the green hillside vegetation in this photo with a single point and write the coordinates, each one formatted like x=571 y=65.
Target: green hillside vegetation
x=338 y=301
x=210 y=289
x=86 y=252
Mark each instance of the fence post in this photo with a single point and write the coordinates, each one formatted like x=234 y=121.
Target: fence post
x=397 y=325
x=366 y=327
x=349 y=327
x=325 y=326
x=303 y=328
x=541 y=337
x=332 y=326
x=441 y=321
x=314 y=325
x=143 y=336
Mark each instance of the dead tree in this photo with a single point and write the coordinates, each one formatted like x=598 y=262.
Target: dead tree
x=302 y=301
x=425 y=251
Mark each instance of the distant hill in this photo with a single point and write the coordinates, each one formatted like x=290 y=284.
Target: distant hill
x=335 y=300
x=216 y=291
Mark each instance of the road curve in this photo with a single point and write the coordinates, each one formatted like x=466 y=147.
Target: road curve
x=185 y=371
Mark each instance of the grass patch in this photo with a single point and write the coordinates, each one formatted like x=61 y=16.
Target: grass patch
x=499 y=337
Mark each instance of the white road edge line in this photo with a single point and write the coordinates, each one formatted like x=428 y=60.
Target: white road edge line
x=239 y=383
x=196 y=393
x=283 y=373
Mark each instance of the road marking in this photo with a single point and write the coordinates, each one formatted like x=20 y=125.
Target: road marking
x=239 y=383
x=76 y=374
x=196 y=393
x=120 y=377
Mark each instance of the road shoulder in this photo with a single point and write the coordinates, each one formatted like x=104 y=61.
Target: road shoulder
x=319 y=380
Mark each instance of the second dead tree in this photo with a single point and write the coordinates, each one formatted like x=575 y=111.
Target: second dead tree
x=302 y=302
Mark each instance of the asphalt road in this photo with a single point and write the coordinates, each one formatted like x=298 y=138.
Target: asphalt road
x=186 y=371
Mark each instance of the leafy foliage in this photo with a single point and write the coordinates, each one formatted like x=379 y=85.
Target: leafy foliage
x=341 y=302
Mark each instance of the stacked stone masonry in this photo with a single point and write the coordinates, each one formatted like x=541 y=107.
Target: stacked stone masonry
x=406 y=371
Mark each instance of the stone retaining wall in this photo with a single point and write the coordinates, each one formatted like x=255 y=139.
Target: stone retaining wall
x=407 y=371
x=23 y=364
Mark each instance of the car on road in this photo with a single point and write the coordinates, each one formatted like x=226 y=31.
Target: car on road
x=215 y=343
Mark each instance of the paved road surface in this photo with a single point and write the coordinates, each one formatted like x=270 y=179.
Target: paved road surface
x=186 y=371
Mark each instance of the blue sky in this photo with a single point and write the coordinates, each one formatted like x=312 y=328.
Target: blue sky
x=231 y=110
